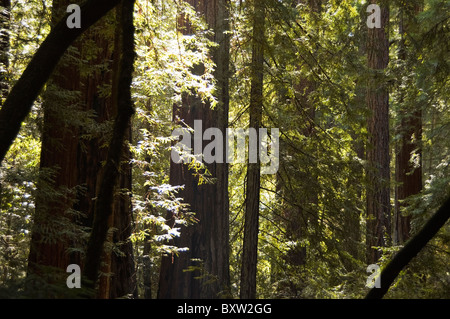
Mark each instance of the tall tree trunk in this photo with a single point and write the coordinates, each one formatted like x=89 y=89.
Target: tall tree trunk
x=118 y=268
x=54 y=199
x=408 y=175
x=378 y=203
x=220 y=229
x=78 y=163
x=146 y=269
x=251 y=225
x=5 y=20
x=208 y=239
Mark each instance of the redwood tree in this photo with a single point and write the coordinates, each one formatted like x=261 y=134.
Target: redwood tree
x=208 y=257
x=5 y=5
x=110 y=176
x=92 y=154
x=377 y=98
x=252 y=197
x=55 y=198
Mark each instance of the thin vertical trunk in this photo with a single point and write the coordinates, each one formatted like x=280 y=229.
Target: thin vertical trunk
x=118 y=269
x=378 y=201
x=219 y=249
x=5 y=20
x=111 y=174
x=123 y=280
x=251 y=225
x=147 y=276
x=118 y=277
x=208 y=239
x=5 y=17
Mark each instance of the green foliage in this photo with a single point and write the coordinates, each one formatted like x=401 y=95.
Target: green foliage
x=164 y=72
x=319 y=190
x=312 y=213
x=18 y=172
x=17 y=194
x=29 y=26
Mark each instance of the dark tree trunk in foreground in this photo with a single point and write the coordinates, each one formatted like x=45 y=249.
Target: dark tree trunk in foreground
x=410 y=250
x=125 y=110
x=207 y=240
x=119 y=278
x=378 y=204
x=123 y=280
x=20 y=100
x=251 y=225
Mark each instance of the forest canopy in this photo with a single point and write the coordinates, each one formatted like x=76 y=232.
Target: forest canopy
x=193 y=149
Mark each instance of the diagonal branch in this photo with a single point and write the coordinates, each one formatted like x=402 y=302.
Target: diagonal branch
x=20 y=100
x=410 y=250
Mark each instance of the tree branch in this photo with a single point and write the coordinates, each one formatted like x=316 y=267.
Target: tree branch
x=20 y=100
x=410 y=250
